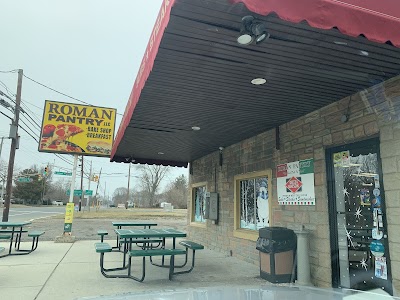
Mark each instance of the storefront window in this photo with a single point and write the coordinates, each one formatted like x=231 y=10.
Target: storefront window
x=254 y=198
x=252 y=203
x=199 y=196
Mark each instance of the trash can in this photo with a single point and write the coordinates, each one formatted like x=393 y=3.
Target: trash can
x=276 y=246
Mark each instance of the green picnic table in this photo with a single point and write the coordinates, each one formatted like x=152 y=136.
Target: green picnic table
x=135 y=234
x=120 y=224
x=5 y=235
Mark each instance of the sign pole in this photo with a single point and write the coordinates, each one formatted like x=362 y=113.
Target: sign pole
x=90 y=179
x=72 y=187
x=69 y=210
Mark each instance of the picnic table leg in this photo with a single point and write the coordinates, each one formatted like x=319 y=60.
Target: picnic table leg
x=19 y=238
x=11 y=240
x=164 y=248
x=125 y=251
x=118 y=245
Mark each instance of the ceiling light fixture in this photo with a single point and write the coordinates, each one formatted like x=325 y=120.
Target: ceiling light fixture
x=364 y=53
x=160 y=153
x=195 y=128
x=258 y=81
x=252 y=30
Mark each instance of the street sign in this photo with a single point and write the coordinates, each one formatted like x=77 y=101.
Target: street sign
x=76 y=192
x=24 y=179
x=79 y=192
x=63 y=173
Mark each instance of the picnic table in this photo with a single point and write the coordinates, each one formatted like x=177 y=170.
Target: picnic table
x=131 y=236
x=136 y=234
x=120 y=224
x=9 y=234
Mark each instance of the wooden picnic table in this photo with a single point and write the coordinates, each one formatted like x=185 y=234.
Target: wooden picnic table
x=14 y=225
x=120 y=224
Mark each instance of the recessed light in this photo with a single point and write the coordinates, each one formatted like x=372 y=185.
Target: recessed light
x=364 y=53
x=340 y=43
x=195 y=128
x=258 y=81
x=160 y=153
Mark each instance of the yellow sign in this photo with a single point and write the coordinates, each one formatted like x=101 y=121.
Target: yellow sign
x=77 y=129
x=69 y=213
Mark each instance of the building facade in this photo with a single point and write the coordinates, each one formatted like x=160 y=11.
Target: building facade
x=360 y=122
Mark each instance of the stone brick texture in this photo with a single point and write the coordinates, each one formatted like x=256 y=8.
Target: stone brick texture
x=373 y=112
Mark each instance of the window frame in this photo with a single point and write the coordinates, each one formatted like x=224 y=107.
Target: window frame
x=244 y=233
x=193 y=203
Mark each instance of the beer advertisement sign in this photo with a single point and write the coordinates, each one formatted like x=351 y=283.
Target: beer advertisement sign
x=77 y=129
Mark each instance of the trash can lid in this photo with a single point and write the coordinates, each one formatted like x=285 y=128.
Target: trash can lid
x=276 y=233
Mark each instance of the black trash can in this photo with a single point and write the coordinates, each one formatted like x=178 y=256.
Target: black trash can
x=277 y=246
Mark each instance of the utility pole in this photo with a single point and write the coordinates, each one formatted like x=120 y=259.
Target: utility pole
x=129 y=181
x=1 y=145
x=14 y=136
x=105 y=189
x=97 y=188
x=90 y=179
x=83 y=193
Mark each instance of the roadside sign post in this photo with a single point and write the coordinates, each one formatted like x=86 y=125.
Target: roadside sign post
x=70 y=205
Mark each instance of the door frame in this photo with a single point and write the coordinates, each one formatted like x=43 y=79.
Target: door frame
x=374 y=145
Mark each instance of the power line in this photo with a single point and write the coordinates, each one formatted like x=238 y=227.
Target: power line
x=61 y=93
x=30 y=111
x=30 y=103
x=6 y=115
x=54 y=90
x=11 y=71
x=7 y=89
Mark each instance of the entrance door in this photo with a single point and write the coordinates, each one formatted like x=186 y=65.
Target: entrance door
x=358 y=226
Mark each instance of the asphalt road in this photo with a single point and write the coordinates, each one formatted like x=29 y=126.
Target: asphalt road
x=27 y=213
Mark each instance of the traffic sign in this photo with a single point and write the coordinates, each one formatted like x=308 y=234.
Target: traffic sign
x=76 y=192
x=24 y=179
x=63 y=173
x=79 y=192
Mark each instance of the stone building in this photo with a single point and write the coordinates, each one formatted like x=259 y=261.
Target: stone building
x=246 y=99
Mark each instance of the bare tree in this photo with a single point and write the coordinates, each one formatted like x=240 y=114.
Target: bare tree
x=151 y=177
x=176 y=192
x=57 y=191
x=120 y=195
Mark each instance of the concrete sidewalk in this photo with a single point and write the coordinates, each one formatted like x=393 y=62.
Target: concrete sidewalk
x=72 y=271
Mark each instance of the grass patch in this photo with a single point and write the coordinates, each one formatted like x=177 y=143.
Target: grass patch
x=135 y=213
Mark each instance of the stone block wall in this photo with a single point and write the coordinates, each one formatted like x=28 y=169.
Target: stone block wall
x=375 y=112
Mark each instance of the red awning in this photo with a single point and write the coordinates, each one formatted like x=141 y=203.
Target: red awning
x=377 y=20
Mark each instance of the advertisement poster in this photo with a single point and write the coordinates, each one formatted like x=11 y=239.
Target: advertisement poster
x=69 y=216
x=77 y=129
x=295 y=183
x=341 y=159
x=380 y=268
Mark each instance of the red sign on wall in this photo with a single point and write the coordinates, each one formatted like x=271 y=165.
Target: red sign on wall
x=294 y=184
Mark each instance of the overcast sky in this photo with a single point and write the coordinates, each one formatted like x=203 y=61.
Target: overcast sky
x=89 y=49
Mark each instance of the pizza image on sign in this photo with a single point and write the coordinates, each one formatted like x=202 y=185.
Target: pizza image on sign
x=293 y=184
x=79 y=129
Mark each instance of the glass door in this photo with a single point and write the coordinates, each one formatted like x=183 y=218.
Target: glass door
x=359 y=238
